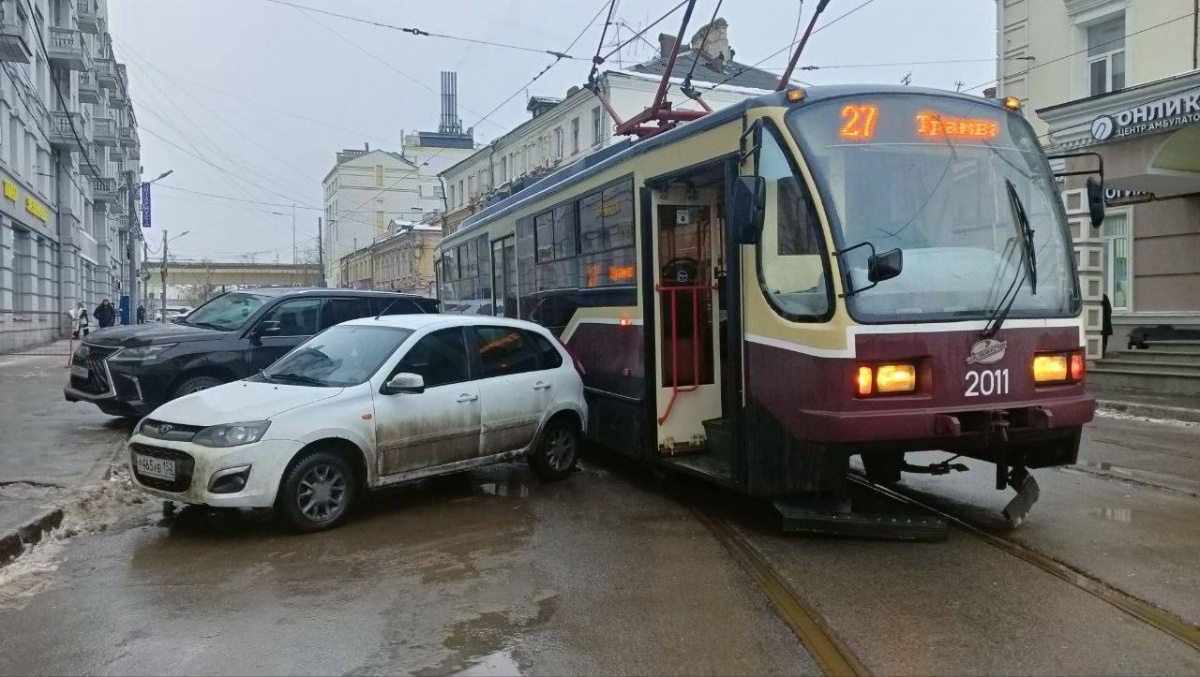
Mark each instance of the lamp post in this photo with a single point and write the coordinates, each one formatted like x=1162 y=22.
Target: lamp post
x=133 y=228
x=163 y=271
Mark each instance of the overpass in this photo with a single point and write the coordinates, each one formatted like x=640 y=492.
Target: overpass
x=191 y=281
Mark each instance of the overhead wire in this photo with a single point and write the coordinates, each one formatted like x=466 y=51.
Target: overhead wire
x=642 y=32
x=42 y=110
x=417 y=32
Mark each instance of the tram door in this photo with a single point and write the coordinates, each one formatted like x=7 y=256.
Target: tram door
x=688 y=244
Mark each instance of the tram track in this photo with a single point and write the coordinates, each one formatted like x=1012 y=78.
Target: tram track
x=1142 y=610
x=831 y=654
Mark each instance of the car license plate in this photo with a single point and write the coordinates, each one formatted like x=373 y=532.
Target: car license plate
x=79 y=372
x=159 y=468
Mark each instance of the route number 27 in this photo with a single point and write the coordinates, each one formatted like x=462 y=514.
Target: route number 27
x=990 y=382
x=858 y=121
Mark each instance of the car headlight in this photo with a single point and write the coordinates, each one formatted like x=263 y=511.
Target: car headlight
x=142 y=353
x=232 y=434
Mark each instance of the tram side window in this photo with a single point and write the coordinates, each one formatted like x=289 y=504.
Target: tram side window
x=467 y=278
x=792 y=269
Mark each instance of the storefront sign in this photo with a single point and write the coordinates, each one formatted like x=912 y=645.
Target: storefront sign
x=36 y=208
x=1166 y=113
x=1116 y=198
x=10 y=190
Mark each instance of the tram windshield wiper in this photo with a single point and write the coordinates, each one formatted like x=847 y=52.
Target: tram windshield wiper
x=1027 y=271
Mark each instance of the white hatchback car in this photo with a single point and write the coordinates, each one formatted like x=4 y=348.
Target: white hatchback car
x=366 y=404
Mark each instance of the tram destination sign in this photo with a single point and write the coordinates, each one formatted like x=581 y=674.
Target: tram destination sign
x=1168 y=112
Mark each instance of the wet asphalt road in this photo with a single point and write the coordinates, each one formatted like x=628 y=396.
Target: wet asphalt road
x=606 y=573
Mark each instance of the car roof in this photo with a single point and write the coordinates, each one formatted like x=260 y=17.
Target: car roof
x=305 y=291
x=418 y=322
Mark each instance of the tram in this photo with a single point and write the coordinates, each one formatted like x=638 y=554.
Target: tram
x=765 y=292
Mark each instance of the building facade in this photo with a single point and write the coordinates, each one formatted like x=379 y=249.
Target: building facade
x=403 y=261
x=1119 y=78
x=69 y=162
x=561 y=131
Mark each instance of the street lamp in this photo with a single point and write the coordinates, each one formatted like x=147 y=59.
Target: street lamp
x=162 y=176
x=294 y=253
x=163 y=271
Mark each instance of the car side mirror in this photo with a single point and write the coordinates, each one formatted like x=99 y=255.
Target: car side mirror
x=404 y=383
x=1095 y=198
x=268 y=327
x=748 y=208
x=885 y=266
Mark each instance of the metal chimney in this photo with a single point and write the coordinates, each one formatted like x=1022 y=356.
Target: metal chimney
x=450 y=123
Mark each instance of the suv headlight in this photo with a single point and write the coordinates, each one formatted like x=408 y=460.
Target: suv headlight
x=232 y=434
x=142 y=353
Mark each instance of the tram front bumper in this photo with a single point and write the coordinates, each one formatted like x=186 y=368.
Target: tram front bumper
x=938 y=427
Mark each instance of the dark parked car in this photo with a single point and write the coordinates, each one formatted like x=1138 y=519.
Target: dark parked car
x=129 y=371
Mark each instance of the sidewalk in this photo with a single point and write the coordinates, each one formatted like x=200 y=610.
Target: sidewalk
x=1168 y=407
x=48 y=446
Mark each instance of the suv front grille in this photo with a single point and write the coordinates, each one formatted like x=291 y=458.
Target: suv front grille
x=184 y=465
x=93 y=358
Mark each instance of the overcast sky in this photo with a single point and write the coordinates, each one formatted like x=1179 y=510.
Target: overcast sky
x=249 y=100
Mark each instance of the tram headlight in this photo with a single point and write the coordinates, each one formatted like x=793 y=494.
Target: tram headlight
x=1058 y=368
x=886 y=379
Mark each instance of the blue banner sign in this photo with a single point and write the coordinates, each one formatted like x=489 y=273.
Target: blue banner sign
x=145 y=205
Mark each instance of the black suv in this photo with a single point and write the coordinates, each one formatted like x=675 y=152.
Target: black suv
x=131 y=370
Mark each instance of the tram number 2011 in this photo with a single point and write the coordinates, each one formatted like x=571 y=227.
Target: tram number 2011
x=989 y=382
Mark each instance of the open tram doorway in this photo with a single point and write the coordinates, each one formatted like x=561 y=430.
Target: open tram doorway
x=693 y=376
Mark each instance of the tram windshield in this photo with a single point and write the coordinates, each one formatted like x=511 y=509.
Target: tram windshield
x=927 y=174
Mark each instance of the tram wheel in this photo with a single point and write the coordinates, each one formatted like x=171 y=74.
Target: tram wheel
x=883 y=467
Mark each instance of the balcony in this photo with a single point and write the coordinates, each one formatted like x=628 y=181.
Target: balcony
x=127 y=136
x=104 y=131
x=89 y=91
x=106 y=73
x=89 y=20
x=64 y=49
x=104 y=190
x=133 y=153
x=15 y=37
x=117 y=96
x=61 y=133
x=95 y=168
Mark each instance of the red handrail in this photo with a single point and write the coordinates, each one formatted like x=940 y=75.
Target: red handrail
x=676 y=388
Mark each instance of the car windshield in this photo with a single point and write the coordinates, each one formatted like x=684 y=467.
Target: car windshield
x=928 y=175
x=342 y=356
x=226 y=312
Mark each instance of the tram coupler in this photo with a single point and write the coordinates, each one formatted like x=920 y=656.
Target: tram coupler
x=943 y=468
x=834 y=517
x=1028 y=493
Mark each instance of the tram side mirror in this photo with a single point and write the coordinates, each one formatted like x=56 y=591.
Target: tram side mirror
x=884 y=266
x=1095 y=198
x=748 y=208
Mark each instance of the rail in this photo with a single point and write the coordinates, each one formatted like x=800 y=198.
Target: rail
x=676 y=388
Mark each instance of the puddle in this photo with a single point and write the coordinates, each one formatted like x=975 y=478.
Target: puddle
x=1121 y=515
x=22 y=491
x=499 y=663
x=93 y=508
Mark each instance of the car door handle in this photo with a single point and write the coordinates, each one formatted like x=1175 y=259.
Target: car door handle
x=467 y=397
x=541 y=385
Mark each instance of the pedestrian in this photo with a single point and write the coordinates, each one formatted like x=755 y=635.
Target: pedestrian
x=1106 y=327
x=106 y=315
x=141 y=315
x=79 y=321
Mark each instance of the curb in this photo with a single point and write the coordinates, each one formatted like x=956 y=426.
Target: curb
x=14 y=541
x=1150 y=410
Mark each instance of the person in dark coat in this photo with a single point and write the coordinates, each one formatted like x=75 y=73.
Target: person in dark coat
x=1106 y=327
x=141 y=315
x=106 y=314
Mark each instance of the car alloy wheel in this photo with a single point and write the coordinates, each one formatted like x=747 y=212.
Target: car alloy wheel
x=322 y=493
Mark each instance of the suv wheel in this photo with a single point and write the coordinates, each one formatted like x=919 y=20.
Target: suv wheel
x=316 y=494
x=557 y=450
x=195 y=384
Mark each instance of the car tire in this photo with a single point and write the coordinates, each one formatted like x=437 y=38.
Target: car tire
x=317 y=493
x=556 y=451
x=195 y=384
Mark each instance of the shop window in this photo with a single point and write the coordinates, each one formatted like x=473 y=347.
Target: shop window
x=1118 y=250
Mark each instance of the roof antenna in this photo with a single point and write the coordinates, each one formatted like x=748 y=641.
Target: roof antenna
x=787 y=74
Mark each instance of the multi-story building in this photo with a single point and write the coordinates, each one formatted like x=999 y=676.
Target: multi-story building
x=69 y=154
x=560 y=131
x=402 y=261
x=1119 y=78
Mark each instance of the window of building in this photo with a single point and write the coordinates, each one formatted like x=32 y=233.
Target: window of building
x=452 y=195
x=597 y=126
x=1117 y=258
x=462 y=194
x=574 y=136
x=1106 y=55
x=503 y=169
x=558 y=143
x=471 y=186
x=378 y=175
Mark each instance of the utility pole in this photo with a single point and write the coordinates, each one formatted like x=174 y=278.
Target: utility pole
x=133 y=232
x=320 y=253
x=163 y=272
x=294 y=234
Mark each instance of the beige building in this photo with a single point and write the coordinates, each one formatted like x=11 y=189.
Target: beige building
x=402 y=261
x=1119 y=78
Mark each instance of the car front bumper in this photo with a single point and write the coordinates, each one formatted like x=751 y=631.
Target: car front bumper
x=196 y=465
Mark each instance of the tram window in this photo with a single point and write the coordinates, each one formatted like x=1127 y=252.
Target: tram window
x=591 y=224
x=791 y=268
